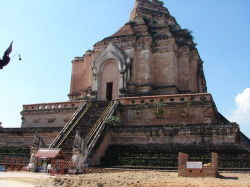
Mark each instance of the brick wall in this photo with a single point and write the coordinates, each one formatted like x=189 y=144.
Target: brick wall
x=200 y=135
x=206 y=171
x=183 y=158
x=25 y=136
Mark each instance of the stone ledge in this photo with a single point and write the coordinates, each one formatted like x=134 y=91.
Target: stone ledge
x=177 y=98
x=52 y=106
x=28 y=130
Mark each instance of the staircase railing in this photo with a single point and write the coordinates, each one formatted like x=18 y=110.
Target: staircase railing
x=70 y=125
x=95 y=127
x=96 y=132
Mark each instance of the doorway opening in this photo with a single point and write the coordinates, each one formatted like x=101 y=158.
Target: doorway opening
x=109 y=90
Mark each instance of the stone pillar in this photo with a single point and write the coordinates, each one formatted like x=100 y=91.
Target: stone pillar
x=215 y=163
x=182 y=160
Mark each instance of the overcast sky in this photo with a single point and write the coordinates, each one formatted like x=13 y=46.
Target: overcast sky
x=49 y=34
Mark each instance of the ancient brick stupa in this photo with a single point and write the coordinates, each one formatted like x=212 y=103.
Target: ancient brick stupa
x=152 y=73
x=149 y=55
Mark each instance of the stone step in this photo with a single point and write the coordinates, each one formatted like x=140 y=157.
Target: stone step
x=84 y=126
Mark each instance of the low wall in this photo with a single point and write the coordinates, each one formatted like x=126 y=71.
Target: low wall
x=49 y=114
x=169 y=109
x=206 y=171
x=173 y=138
x=25 y=136
x=200 y=135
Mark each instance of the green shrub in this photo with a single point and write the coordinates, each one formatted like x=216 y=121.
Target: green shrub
x=113 y=121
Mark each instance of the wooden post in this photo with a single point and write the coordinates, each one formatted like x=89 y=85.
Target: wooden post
x=52 y=171
x=62 y=167
x=6 y=163
x=11 y=164
x=18 y=164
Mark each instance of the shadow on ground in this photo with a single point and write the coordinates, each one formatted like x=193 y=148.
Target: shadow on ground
x=228 y=178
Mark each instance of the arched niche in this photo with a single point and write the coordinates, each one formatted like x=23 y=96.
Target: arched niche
x=108 y=81
x=109 y=58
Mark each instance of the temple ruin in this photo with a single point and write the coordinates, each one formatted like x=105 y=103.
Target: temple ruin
x=138 y=98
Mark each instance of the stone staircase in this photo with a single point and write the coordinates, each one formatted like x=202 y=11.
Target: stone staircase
x=83 y=121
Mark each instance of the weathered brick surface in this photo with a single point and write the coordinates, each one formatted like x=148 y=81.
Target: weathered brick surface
x=48 y=114
x=25 y=136
x=183 y=158
x=199 y=135
x=155 y=56
x=149 y=56
x=143 y=110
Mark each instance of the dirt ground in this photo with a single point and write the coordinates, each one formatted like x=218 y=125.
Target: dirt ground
x=125 y=179
x=22 y=179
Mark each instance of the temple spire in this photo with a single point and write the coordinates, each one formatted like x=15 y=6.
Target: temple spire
x=133 y=13
x=144 y=7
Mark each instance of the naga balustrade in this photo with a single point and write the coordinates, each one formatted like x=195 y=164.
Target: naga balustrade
x=95 y=133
